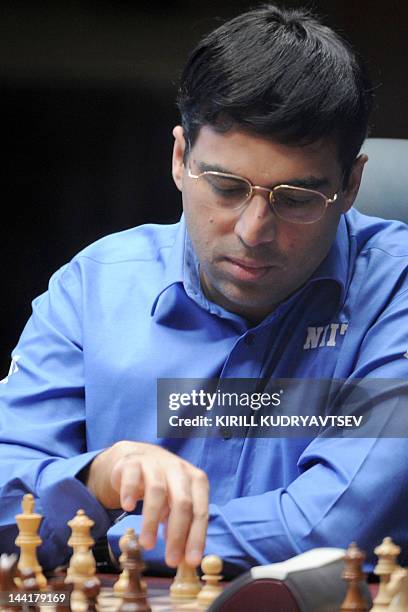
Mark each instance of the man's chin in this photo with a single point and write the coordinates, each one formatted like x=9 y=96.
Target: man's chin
x=248 y=302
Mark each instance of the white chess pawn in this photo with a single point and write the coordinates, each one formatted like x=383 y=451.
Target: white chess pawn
x=212 y=568
x=186 y=584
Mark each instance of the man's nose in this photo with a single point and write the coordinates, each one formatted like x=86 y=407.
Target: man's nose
x=256 y=224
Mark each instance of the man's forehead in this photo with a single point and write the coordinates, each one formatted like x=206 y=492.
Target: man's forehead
x=263 y=159
x=306 y=181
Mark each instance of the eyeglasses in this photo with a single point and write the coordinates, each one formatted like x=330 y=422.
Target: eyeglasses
x=230 y=192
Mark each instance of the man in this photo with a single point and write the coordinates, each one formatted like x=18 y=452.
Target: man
x=274 y=111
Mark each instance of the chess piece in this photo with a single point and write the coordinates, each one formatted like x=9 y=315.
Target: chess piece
x=186 y=584
x=354 y=575
x=82 y=564
x=57 y=586
x=91 y=589
x=8 y=567
x=398 y=589
x=121 y=584
x=28 y=539
x=29 y=585
x=212 y=568
x=134 y=598
x=387 y=554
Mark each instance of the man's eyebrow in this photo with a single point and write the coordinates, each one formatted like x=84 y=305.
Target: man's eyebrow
x=308 y=182
x=204 y=167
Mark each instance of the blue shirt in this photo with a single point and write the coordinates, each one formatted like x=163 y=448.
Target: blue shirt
x=128 y=310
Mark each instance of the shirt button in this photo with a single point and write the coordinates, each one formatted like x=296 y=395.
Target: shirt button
x=249 y=339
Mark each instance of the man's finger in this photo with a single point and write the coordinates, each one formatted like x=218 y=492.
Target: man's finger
x=127 y=480
x=155 y=504
x=198 y=530
x=181 y=515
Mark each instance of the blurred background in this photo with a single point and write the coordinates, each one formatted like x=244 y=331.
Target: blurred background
x=88 y=92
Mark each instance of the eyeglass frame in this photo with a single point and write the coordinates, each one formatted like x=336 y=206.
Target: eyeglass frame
x=271 y=199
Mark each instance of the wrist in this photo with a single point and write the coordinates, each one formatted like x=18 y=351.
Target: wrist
x=93 y=477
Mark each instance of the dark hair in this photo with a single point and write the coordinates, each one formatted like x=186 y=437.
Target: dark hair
x=280 y=74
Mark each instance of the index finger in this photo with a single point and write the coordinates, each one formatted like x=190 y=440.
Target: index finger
x=198 y=530
x=155 y=505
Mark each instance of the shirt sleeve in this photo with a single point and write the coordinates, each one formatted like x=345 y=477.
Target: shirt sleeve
x=42 y=422
x=348 y=488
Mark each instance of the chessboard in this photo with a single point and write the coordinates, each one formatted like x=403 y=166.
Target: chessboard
x=319 y=580
x=158 y=595
x=81 y=590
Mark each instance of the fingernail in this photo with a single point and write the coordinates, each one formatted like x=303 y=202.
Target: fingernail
x=147 y=540
x=194 y=556
x=128 y=504
x=173 y=559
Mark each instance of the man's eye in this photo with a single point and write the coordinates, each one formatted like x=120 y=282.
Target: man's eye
x=294 y=202
x=226 y=188
x=228 y=191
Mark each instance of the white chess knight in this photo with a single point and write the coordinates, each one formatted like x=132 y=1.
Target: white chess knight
x=398 y=589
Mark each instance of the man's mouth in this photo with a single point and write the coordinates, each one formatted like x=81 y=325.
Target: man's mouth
x=246 y=269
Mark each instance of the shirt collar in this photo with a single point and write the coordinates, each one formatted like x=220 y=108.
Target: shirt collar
x=174 y=272
x=183 y=267
x=335 y=266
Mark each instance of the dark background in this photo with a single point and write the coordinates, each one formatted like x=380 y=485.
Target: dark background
x=88 y=107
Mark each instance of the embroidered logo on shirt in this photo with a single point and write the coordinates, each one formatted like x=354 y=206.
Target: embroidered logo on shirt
x=13 y=369
x=328 y=335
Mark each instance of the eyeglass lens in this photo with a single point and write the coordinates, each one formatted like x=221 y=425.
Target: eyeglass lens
x=293 y=204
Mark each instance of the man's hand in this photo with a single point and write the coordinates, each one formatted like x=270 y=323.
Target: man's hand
x=173 y=491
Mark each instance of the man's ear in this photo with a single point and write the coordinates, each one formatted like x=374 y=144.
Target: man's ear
x=353 y=185
x=178 y=156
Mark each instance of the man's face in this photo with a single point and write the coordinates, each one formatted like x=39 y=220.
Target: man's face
x=251 y=260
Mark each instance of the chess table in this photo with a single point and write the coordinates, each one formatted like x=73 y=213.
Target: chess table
x=260 y=599
x=159 y=599
x=315 y=581
x=157 y=593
